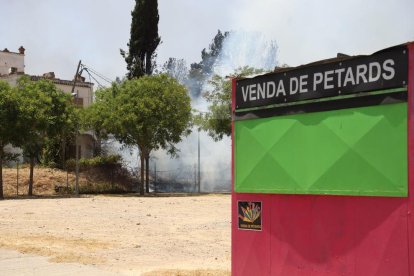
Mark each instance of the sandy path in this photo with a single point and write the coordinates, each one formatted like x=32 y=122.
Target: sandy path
x=125 y=235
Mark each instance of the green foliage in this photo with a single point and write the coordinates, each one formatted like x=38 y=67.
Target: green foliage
x=46 y=112
x=9 y=113
x=144 y=39
x=152 y=112
x=217 y=122
x=209 y=57
x=177 y=69
x=199 y=72
x=98 y=116
x=101 y=174
x=98 y=161
x=48 y=116
x=102 y=188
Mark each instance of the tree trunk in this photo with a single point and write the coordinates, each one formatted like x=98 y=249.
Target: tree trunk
x=32 y=163
x=142 y=64
x=148 y=64
x=98 y=148
x=147 y=173
x=141 y=186
x=98 y=144
x=1 y=173
x=63 y=153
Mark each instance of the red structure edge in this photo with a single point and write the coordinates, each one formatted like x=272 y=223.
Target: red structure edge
x=410 y=204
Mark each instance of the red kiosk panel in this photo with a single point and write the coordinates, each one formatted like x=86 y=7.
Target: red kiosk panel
x=329 y=234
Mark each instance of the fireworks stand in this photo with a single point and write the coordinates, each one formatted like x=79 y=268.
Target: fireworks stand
x=322 y=168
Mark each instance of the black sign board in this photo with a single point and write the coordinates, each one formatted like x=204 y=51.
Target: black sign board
x=250 y=215
x=383 y=70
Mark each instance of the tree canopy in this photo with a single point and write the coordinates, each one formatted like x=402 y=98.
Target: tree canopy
x=201 y=71
x=46 y=114
x=144 y=39
x=176 y=68
x=9 y=113
x=151 y=112
x=217 y=121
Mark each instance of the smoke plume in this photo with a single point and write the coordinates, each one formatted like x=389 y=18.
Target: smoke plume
x=239 y=49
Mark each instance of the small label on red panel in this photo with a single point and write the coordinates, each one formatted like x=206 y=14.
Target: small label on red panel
x=250 y=215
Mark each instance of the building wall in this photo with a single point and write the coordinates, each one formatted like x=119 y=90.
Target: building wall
x=9 y=60
x=86 y=140
x=84 y=92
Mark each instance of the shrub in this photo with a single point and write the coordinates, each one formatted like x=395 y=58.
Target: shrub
x=99 y=161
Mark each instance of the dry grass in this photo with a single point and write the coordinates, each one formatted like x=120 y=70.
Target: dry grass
x=44 y=180
x=176 y=272
x=59 y=249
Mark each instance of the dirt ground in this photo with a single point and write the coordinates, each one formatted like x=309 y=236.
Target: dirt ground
x=130 y=235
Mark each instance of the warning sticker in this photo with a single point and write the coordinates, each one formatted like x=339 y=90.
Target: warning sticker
x=250 y=215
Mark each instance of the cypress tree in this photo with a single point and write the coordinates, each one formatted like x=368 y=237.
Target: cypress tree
x=144 y=39
x=142 y=44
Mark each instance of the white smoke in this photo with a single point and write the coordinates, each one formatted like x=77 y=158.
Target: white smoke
x=239 y=49
x=246 y=49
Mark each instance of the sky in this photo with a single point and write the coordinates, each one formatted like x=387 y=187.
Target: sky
x=58 y=33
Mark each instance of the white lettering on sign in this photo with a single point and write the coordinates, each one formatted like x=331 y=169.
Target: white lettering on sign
x=361 y=72
x=270 y=89
x=245 y=92
x=303 y=84
x=349 y=77
x=338 y=73
x=318 y=81
x=374 y=66
x=261 y=91
x=387 y=68
x=280 y=89
x=294 y=86
x=329 y=79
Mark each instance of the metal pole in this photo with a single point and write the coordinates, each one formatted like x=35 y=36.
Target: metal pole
x=195 y=178
x=17 y=184
x=75 y=96
x=77 y=163
x=76 y=78
x=155 y=176
x=199 y=178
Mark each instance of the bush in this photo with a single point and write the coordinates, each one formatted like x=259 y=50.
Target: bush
x=99 y=161
x=102 y=174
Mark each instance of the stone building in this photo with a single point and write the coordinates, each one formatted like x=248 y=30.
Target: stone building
x=12 y=67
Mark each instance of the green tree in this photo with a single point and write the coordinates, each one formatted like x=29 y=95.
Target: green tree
x=177 y=69
x=201 y=71
x=144 y=39
x=46 y=113
x=209 y=57
x=54 y=150
x=9 y=113
x=217 y=121
x=151 y=112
